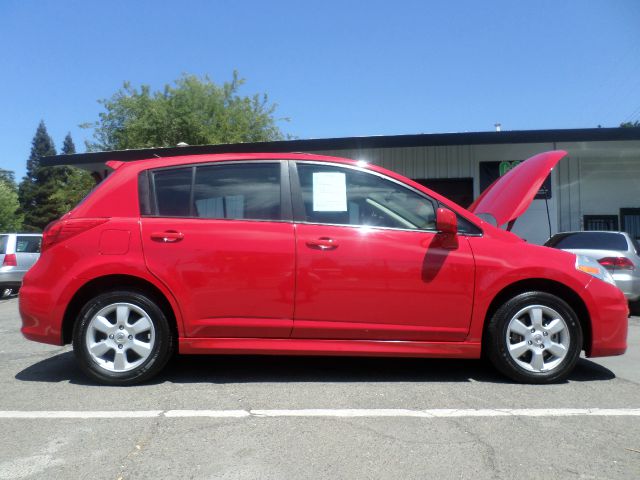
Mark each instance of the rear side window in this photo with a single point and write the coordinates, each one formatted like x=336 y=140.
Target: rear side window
x=173 y=192
x=28 y=244
x=4 y=239
x=241 y=191
x=589 y=241
x=227 y=191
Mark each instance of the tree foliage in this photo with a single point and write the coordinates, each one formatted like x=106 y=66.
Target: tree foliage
x=10 y=218
x=75 y=184
x=9 y=178
x=47 y=193
x=630 y=124
x=36 y=186
x=192 y=110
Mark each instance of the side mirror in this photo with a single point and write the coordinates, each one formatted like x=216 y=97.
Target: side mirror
x=446 y=221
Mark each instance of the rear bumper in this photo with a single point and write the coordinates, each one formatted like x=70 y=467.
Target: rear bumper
x=629 y=284
x=10 y=277
x=609 y=313
x=39 y=321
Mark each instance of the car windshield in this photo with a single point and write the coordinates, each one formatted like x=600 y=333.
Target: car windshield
x=589 y=241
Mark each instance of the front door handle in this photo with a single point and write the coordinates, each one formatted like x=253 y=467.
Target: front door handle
x=323 y=243
x=169 y=236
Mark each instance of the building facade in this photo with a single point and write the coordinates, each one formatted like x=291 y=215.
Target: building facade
x=596 y=187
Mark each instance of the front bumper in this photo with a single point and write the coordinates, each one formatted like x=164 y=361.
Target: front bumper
x=609 y=313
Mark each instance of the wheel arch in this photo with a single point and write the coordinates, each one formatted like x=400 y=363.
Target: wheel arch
x=552 y=287
x=111 y=282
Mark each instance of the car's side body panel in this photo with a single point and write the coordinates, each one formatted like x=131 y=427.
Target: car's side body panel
x=75 y=264
x=382 y=284
x=233 y=278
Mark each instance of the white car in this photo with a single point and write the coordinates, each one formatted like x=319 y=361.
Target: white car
x=18 y=252
x=616 y=251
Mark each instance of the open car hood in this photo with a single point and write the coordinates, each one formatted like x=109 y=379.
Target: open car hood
x=510 y=195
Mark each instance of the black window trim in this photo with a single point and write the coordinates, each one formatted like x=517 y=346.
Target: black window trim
x=299 y=215
x=286 y=215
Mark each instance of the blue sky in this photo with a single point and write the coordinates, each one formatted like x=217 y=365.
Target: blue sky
x=335 y=68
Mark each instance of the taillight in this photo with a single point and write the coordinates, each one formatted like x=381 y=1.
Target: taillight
x=10 y=260
x=61 y=230
x=617 y=263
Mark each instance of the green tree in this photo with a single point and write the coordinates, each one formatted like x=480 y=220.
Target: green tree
x=37 y=192
x=8 y=177
x=10 y=217
x=630 y=124
x=74 y=185
x=34 y=199
x=192 y=110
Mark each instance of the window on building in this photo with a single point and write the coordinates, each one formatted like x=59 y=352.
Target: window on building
x=631 y=222
x=601 y=222
x=460 y=190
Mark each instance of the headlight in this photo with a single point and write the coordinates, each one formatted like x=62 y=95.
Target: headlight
x=592 y=267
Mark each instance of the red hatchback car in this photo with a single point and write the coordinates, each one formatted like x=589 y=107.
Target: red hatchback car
x=311 y=255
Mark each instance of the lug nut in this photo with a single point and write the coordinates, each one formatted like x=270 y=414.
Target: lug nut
x=130 y=337
x=530 y=342
x=533 y=330
x=542 y=345
x=120 y=347
x=111 y=336
x=121 y=327
x=546 y=334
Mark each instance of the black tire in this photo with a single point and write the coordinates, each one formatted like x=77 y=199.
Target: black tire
x=497 y=344
x=161 y=340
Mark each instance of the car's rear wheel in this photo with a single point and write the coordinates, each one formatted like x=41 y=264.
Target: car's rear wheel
x=535 y=337
x=122 y=338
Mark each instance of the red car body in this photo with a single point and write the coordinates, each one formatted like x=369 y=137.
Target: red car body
x=295 y=287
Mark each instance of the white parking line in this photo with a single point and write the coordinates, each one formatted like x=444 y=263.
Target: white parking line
x=16 y=414
x=368 y=413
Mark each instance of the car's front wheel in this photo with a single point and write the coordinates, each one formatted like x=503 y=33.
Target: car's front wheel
x=122 y=338
x=534 y=337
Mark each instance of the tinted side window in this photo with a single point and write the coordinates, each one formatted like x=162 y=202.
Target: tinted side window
x=240 y=191
x=173 y=192
x=3 y=244
x=591 y=241
x=28 y=244
x=349 y=197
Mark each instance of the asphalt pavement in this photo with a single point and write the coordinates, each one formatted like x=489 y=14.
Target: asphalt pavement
x=231 y=417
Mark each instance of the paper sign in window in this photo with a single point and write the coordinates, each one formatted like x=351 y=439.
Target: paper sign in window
x=329 y=192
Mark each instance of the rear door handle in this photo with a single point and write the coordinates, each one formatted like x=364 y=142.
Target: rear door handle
x=322 y=243
x=169 y=236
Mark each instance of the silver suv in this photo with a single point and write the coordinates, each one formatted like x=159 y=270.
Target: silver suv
x=616 y=251
x=18 y=251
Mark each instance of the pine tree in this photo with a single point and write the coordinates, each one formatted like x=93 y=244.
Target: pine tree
x=76 y=182
x=32 y=193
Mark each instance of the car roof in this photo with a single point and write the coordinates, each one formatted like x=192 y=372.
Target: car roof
x=589 y=231
x=161 y=162
x=22 y=234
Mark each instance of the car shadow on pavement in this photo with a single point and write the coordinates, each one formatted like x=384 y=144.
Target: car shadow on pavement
x=258 y=369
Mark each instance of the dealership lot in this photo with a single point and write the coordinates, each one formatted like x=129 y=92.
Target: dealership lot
x=279 y=417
